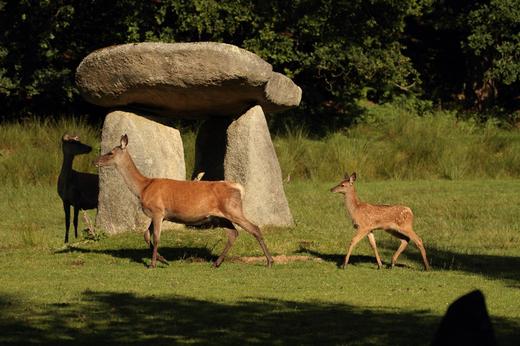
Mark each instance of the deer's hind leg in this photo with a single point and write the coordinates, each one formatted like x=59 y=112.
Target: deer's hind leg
x=409 y=233
x=404 y=243
x=419 y=243
x=235 y=214
x=232 y=234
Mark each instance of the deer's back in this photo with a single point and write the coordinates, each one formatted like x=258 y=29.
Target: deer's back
x=383 y=216
x=189 y=201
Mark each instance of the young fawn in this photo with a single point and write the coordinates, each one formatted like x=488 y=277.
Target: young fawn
x=188 y=202
x=76 y=189
x=395 y=219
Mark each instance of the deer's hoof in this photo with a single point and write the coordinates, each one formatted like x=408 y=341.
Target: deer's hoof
x=163 y=260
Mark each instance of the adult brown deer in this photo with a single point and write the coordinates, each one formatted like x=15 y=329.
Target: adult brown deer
x=187 y=202
x=394 y=219
x=76 y=189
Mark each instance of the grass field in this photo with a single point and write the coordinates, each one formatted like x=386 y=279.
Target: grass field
x=100 y=290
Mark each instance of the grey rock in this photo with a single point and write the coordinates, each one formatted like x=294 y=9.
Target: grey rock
x=251 y=160
x=196 y=80
x=157 y=151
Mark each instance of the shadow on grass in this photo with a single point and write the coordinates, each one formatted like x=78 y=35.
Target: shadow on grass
x=110 y=318
x=339 y=258
x=496 y=267
x=143 y=256
x=493 y=266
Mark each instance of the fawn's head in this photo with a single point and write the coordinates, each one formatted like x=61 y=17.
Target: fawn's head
x=71 y=145
x=346 y=185
x=114 y=156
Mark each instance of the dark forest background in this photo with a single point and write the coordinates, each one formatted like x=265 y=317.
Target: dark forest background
x=462 y=55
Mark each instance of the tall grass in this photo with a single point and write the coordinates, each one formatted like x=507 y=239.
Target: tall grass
x=30 y=150
x=396 y=143
x=390 y=142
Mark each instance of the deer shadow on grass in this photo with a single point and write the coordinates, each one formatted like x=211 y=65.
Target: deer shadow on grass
x=337 y=259
x=115 y=318
x=143 y=256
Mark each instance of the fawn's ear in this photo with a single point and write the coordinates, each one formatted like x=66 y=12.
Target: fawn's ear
x=352 y=178
x=347 y=176
x=124 y=141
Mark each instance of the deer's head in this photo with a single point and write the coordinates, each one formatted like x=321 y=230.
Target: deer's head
x=72 y=145
x=115 y=156
x=346 y=185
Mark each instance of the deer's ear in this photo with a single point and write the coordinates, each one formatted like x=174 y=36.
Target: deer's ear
x=346 y=176
x=352 y=178
x=124 y=141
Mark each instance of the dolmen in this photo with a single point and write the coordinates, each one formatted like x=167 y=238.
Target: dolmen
x=147 y=85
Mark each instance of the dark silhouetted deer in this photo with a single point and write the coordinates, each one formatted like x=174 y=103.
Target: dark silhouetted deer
x=187 y=202
x=395 y=219
x=76 y=189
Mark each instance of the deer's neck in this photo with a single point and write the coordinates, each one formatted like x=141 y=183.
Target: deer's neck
x=135 y=181
x=66 y=168
x=352 y=202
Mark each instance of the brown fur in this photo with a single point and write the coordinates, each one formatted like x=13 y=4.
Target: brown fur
x=188 y=202
x=76 y=189
x=395 y=219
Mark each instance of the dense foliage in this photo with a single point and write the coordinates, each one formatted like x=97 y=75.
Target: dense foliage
x=462 y=53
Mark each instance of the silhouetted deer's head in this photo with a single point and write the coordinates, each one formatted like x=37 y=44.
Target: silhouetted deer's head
x=346 y=185
x=71 y=145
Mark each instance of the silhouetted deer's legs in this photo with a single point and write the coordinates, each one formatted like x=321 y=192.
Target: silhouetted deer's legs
x=66 y=209
x=76 y=214
x=232 y=234
x=372 y=241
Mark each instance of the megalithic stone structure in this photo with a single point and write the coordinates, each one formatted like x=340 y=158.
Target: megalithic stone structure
x=229 y=87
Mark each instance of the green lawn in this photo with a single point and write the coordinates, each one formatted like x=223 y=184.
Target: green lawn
x=100 y=291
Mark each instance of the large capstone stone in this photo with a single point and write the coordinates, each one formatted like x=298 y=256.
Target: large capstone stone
x=157 y=152
x=242 y=151
x=184 y=79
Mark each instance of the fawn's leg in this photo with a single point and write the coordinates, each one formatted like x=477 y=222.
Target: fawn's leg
x=372 y=241
x=402 y=246
x=357 y=237
x=418 y=242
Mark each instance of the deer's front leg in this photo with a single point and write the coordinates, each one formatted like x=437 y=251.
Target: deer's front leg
x=157 y=222
x=357 y=237
x=372 y=241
